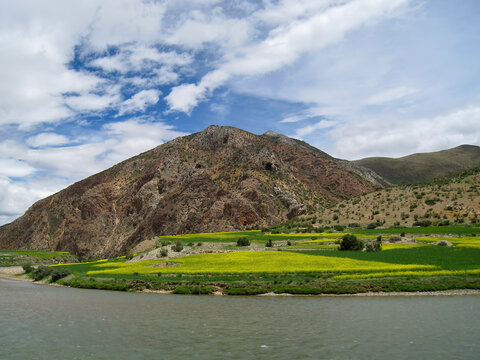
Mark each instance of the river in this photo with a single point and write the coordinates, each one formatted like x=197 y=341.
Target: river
x=43 y=322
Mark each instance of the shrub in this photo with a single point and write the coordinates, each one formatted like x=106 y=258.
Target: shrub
x=402 y=234
x=165 y=242
x=178 y=246
x=164 y=252
x=60 y=274
x=199 y=243
x=190 y=244
x=243 y=241
x=422 y=223
x=289 y=243
x=269 y=243
x=339 y=227
x=28 y=268
x=350 y=242
x=374 y=246
x=372 y=226
x=444 y=223
x=129 y=256
x=41 y=272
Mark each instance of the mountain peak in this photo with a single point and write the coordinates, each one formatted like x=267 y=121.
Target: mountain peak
x=219 y=179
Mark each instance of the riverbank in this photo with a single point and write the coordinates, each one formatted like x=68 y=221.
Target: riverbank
x=16 y=273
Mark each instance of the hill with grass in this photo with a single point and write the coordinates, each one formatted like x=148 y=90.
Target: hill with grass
x=219 y=179
x=450 y=200
x=423 y=166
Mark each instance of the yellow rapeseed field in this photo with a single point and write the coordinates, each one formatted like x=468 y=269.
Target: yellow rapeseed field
x=253 y=262
x=466 y=241
x=409 y=273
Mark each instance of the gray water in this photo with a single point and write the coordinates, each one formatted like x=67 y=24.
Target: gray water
x=41 y=322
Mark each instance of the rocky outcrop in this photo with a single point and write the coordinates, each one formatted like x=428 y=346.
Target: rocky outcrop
x=219 y=179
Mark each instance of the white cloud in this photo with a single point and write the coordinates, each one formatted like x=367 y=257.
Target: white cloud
x=399 y=137
x=309 y=129
x=389 y=95
x=15 y=168
x=140 y=101
x=198 y=28
x=64 y=165
x=47 y=139
x=286 y=43
x=186 y=97
x=16 y=197
x=124 y=21
x=93 y=102
x=37 y=44
x=139 y=57
x=307 y=114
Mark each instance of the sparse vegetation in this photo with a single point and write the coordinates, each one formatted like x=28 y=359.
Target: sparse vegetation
x=178 y=247
x=243 y=241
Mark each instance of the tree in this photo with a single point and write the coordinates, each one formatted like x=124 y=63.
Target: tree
x=243 y=241
x=350 y=242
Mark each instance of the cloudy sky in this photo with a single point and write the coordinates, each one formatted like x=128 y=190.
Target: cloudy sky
x=86 y=84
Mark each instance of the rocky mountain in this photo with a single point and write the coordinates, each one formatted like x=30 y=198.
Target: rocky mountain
x=219 y=179
x=424 y=166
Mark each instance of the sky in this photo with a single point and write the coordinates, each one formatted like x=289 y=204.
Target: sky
x=86 y=84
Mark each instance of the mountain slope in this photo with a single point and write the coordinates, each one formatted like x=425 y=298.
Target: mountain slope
x=451 y=199
x=219 y=179
x=424 y=166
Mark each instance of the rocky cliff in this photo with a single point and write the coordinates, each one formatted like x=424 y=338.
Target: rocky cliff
x=219 y=179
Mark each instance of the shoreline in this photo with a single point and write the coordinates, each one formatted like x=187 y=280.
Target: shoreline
x=14 y=273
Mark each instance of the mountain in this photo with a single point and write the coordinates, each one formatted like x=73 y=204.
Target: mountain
x=447 y=200
x=219 y=179
x=424 y=166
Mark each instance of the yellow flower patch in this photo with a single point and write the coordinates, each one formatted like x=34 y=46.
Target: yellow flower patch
x=255 y=262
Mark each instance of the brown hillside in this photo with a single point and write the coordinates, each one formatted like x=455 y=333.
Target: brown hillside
x=450 y=200
x=219 y=179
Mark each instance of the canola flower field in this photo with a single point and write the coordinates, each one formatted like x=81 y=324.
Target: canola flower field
x=421 y=259
x=248 y=262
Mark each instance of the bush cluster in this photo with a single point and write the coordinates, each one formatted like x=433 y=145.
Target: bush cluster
x=164 y=252
x=243 y=241
x=178 y=246
x=28 y=268
x=422 y=223
x=60 y=274
x=350 y=242
x=374 y=246
x=41 y=272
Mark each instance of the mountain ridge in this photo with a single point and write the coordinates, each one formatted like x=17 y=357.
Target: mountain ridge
x=221 y=178
x=421 y=167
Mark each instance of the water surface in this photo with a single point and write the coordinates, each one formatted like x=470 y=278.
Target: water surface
x=42 y=322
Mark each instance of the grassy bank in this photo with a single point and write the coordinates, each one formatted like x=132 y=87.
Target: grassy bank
x=296 y=263
x=22 y=257
x=306 y=266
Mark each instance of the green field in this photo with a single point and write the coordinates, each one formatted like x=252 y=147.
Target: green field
x=21 y=257
x=305 y=264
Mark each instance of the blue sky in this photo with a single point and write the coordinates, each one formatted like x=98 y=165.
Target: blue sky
x=86 y=84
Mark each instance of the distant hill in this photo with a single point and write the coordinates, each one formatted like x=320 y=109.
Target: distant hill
x=219 y=179
x=424 y=166
x=453 y=199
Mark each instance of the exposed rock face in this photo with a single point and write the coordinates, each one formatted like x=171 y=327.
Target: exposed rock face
x=219 y=179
